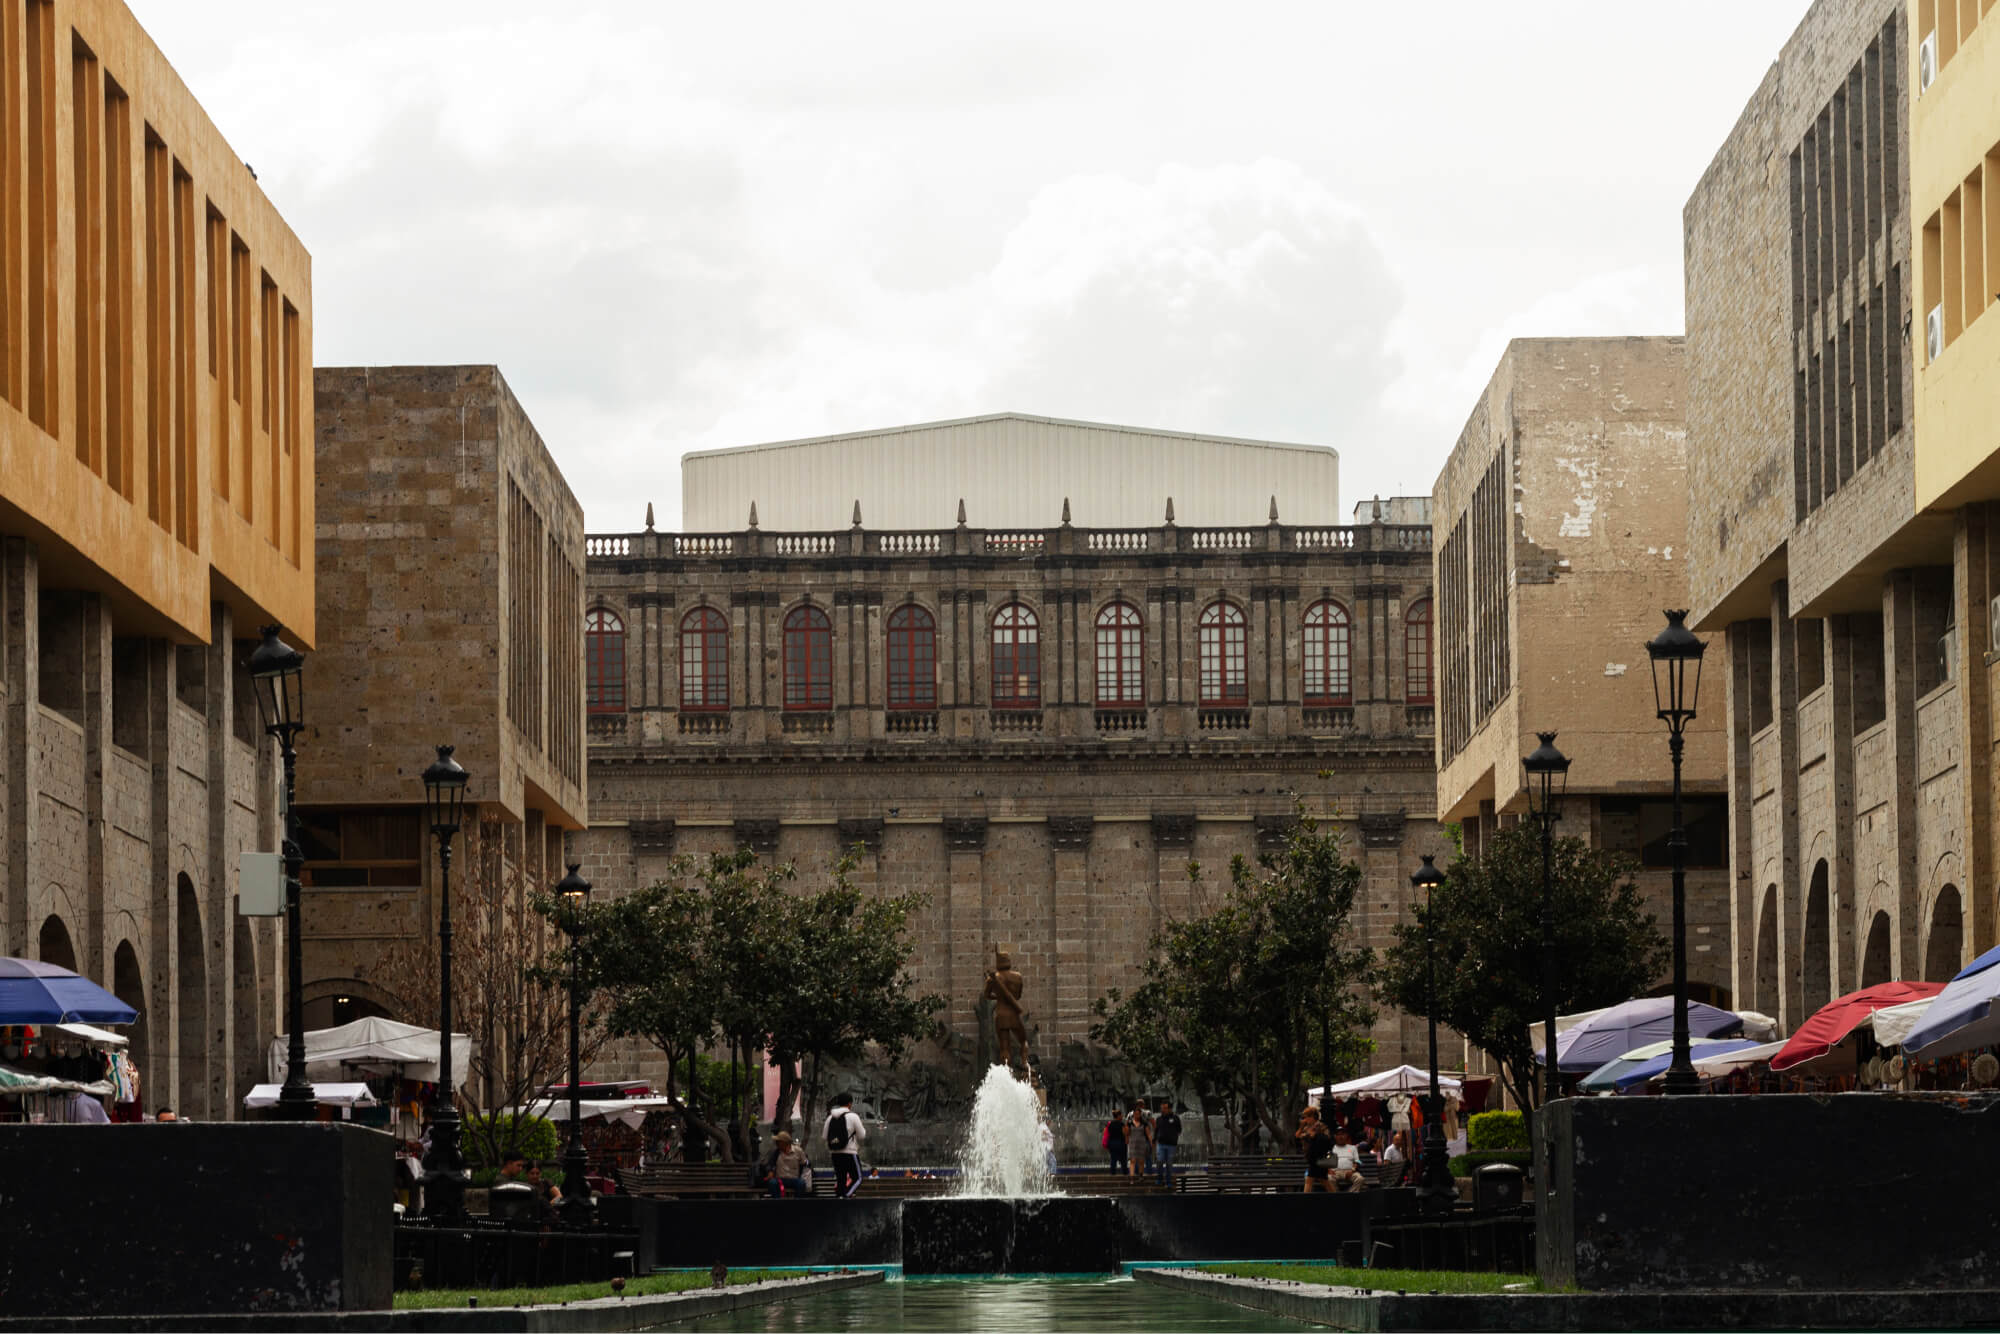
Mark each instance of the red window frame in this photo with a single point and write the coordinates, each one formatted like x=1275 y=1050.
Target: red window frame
x=808 y=659
x=1017 y=658
x=1329 y=638
x=1224 y=640
x=1418 y=680
x=912 y=658
x=704 y=661
x=1121 y=657
x=604 y=660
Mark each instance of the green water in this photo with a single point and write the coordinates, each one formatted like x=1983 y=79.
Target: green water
x=1003 y=1306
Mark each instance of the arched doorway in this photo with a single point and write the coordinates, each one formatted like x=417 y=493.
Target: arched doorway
x=342 y=1008
x=1815 y=948
x=249 y=1040
x=1875 y=959
x=128 y=986
x=1945 y=938
x=54 y=946
x=192 y=1094
x=1767 y=953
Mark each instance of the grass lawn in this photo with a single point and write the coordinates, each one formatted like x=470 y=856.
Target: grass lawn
x=1394 y=1280
x=645 y=1285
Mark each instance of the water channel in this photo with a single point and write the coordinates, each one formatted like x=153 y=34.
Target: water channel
x=1003 y=1306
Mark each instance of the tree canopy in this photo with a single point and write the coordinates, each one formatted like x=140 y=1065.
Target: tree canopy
x=1234 y=999
x=1487 y=920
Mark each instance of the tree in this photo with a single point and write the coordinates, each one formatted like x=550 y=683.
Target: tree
x=1487 y=920
x=516 y=1012
x=1234 y=1001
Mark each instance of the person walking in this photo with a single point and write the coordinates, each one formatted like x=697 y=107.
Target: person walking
x=1138 y=1140
x=1114 y=1140
x=1166 y=1141
x=844 y=1134
x=1315 y=1144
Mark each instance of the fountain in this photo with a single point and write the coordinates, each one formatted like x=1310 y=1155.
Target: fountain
x=1003 y=1156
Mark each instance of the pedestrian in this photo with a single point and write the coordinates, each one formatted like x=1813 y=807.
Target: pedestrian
x=844 y=1133
x=786 y=1170
x=1166 y=1141
x=1114 y=1140
x=1315 y=1144
x=1138 y=1140
x=165 y=1114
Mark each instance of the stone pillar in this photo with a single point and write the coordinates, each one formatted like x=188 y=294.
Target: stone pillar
x=1743 y=886
x=219 y=893
x=1900 y=648
x=1173 y=848
x=190 y=1092
x=1970 y=596
x=1843 y=887
x=965 y=851
x=24 y=656
x=1791 y=892
x=97 y=709
x=1069 y=853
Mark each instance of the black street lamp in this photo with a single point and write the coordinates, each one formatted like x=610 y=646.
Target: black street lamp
x=1673 y=651
x=575 y=892
x=1436 y=1192
x=1545 y=771
x=444 y=1164
x=277 y=674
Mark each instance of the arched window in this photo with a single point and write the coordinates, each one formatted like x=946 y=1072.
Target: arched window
x=1225 y=672
x=704 y=661
x=1017 y=658
x=1121 y=656
x=1417 y=653
x=808 y=659
x=604 y=660
x=1329 y=684
x=912 y=658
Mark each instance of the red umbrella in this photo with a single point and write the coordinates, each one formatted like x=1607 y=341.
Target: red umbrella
x=1832 y=1022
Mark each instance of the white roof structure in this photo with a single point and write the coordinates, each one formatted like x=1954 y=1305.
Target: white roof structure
x=1012 y=470
x=374 y=1046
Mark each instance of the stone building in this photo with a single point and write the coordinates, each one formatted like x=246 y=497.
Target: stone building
x=450 y=596
x=1561 y=523
x=1854 y=762
x=1038 y=723
x=155 y=509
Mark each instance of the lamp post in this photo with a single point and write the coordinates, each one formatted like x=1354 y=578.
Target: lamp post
x=1673 y=651
x=575 y=892
x=444 y=1164
x=1435 y=1189
x=277 y=674
x=1545 y=772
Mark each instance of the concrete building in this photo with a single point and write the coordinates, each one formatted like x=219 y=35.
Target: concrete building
x=1858 y=768
x=1039 y=725
x=155 y=509
x=451 y=592
x=1561 y=522
x=1013 y=470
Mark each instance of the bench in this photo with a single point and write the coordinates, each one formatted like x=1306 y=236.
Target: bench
x=1275 y=1174
x=688 y=1181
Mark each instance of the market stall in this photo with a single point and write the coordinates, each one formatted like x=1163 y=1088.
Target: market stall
x=400 y=1062
x=56 y=1065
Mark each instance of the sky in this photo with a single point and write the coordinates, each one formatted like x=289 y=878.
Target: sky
x=679 y=227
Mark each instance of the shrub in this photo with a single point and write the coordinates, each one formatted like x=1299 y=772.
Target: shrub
x=533 y=1137
x=1496 y=1130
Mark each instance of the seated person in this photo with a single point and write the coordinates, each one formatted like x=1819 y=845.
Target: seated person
x=1343 y=1162
x=1366 y=1159
x=787 y=1171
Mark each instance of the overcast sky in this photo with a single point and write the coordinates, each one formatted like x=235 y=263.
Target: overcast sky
x=678 y=227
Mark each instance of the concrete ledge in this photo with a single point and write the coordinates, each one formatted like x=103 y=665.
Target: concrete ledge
x=1363 y=1309
x=608 y=1313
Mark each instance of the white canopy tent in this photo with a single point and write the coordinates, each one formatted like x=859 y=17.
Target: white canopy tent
x=102 y=1037
x=374 y=1046
x=627 y=1111
x=1403 y=1079
x=333 y=1095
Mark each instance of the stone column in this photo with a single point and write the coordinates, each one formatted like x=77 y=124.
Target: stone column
x=1173 y=847
x=97 y=709
x=219 y=893
x=1970 y=596
x=1743 y=886
x=965 y=850
x=24 y=686
x=1900 y=647
x=1791 y=892
x=1843 y=889
x=1069 y=851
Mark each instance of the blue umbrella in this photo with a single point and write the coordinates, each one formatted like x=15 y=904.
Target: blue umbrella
x=33 y=992
x=1609 y=1034
x=1961 y=1017
x=1642 y=1064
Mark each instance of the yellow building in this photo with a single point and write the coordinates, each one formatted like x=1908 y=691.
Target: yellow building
x=156 y=506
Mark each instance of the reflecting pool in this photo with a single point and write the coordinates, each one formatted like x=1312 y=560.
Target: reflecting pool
x=1003 y=1306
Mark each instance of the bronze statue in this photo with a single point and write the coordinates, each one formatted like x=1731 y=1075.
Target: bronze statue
x=1003 y=988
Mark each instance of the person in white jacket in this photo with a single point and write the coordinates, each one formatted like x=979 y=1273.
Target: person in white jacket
x=844 y=1134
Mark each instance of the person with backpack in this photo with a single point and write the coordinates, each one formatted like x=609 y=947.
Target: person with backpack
x=844 y=1133
x=1114 y=1140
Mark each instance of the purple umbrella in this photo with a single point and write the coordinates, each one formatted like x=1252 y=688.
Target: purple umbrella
x=33 y=992
x=1611 y=1033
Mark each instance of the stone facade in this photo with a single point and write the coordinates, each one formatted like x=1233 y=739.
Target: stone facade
x=1060 y=825
x=1855 y=762
x=450 y=584
x=1561 y=539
